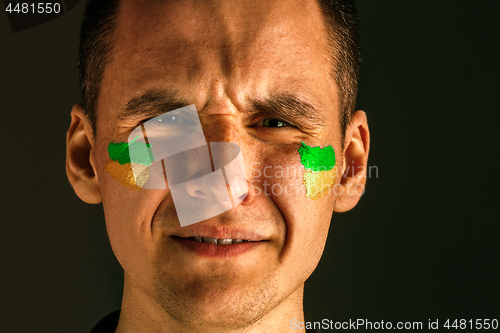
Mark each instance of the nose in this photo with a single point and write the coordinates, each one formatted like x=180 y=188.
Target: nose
x=228 y=180
x=209 y=187
x=220 y=127
x=206 y=189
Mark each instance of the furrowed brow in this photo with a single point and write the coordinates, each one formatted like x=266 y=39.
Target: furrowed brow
x=150 y=105
x=291 y=109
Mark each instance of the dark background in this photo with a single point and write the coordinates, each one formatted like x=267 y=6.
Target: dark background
x=422 y=244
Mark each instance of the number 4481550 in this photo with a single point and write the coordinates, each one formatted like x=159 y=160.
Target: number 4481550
x=41 y=8
x=470 y=324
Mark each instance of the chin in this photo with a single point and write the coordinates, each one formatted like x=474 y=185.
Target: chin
x=217 y=301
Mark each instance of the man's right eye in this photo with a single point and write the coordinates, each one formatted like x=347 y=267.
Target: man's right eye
x=167 y=119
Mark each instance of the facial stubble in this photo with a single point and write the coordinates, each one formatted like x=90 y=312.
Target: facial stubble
x=221 y=296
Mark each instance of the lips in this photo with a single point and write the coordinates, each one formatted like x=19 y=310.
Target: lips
x=218 y=235
x=217 y=241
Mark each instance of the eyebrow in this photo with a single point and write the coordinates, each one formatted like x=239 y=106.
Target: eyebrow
x=152 y=104
x=290 y=108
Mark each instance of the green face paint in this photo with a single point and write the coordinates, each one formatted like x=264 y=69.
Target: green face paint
x=320 y=171
x=120 y=152
x=317 y=158
x=122 y=168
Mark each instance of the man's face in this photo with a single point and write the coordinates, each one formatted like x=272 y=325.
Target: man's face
x=222 y=56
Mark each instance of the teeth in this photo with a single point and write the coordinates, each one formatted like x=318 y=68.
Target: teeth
x=225 y=241
x=210 y=240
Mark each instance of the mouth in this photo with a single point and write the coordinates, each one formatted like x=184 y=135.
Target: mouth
x=217 y=241
x=217 y=247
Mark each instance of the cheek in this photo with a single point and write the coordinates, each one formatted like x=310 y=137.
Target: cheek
x=307 y=220
x=128 y=211
x=299 y=194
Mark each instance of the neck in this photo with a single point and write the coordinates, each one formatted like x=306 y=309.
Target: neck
x=141 y=313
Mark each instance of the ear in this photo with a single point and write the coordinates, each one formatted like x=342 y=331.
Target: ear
x=80 y=157
x=354 y=163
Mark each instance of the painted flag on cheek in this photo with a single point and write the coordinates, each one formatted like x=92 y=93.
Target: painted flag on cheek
x=320 y=171
x=122 y=168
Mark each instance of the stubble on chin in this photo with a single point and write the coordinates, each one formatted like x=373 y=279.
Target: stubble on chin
x=215 y=299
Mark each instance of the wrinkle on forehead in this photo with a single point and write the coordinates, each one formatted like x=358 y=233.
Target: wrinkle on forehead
x=232 y=31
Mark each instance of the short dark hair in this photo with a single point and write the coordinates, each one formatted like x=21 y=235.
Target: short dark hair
x=341 y=22
x=98 y=25
x=340 y=19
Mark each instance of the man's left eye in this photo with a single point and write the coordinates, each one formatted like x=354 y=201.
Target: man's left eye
x=273 y=122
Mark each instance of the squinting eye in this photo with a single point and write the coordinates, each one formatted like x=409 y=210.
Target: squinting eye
x=272 y=122
x=167 y=119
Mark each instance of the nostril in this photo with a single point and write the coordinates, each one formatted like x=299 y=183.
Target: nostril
x=200 y=194
x=248 y=195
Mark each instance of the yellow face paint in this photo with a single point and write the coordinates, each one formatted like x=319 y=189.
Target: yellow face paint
x=318 y=182
x=124 y=173
x=320 y=171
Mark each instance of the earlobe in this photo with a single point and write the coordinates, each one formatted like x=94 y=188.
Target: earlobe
x=80 y=158
x=354 y=166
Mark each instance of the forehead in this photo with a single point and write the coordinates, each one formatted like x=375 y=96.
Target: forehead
x=245 y=47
